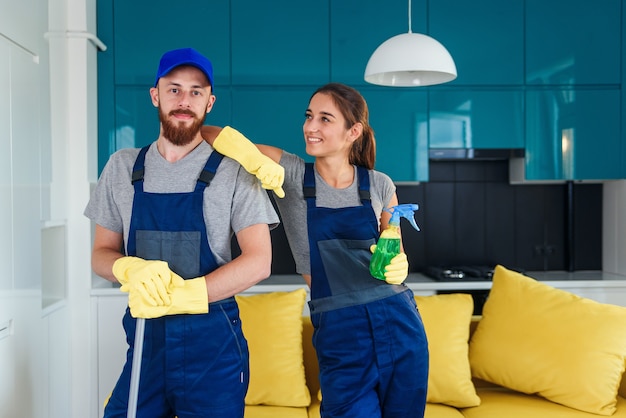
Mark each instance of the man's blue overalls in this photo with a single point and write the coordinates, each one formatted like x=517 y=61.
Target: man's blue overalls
x=192 y=366
x=369 y=336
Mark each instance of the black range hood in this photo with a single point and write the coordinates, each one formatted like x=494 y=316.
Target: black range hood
x=475 y=153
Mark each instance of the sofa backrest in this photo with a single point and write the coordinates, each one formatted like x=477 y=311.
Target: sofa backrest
x=622 y=387
x=312 y=369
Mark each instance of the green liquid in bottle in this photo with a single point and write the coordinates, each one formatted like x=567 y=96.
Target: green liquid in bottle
x=386 y=249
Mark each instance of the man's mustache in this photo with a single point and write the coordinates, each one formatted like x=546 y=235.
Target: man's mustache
x=182 y=112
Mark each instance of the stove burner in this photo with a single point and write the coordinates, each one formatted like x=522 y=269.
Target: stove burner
x=460 y=273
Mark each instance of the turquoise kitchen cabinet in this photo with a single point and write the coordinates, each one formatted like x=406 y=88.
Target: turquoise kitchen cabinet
x=513 y=59
x=573 y=134
x=485 y=38
x=399 y=120
x=358 y=27
x=143 y=31
x=573 y=42
x=272 y=116
x=472 y=118
x=275 y=116
x=136 y=121
x=282 y=43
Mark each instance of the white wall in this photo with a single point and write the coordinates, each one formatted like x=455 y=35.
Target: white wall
x=48 y=155
x=614 y=227
x=24 y=134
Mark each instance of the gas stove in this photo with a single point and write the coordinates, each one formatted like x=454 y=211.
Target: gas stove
x=461 y=273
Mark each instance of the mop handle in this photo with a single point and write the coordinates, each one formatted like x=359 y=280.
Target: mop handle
x=135 y=372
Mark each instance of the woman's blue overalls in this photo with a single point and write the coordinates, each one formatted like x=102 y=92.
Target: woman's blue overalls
x=369 y=336
x=192 y=365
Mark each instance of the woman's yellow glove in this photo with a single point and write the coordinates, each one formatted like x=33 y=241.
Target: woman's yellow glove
x=397 y=270
x=233 y=144
x=153 y=279
x=189 y=298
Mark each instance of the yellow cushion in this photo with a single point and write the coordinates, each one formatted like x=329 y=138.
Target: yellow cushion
x=508 y=404
x=272 y=324
x=534 y=338
x=435 y=410
x=267 y=411
x=446 y=321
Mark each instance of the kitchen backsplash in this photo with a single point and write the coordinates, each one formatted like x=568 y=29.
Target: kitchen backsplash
x=470 y=215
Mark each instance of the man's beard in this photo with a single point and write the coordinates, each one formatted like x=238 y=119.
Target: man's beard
x=177 y=133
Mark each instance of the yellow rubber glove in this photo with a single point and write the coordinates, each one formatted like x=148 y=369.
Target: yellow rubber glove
x=233 y=144
x=153 y=279
x=189 y=298
x=397 y=270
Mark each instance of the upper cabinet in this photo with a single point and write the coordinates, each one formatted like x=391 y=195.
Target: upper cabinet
x=285 y=42
x=141 y=32
x=530 y=73
x=485 y=38
x=573 y=90
x=573 y=42
x=400 y=123
x=357 y=28
x=573 y=134
x=476 y=118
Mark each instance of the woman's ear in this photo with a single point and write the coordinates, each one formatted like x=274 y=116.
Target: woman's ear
x=356 y=131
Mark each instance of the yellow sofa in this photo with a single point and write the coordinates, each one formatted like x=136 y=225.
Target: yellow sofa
x=535 y=352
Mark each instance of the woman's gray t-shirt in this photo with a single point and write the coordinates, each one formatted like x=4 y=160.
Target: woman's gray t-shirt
x=293 y=207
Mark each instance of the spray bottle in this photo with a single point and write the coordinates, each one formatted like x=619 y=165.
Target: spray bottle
x=388 y=245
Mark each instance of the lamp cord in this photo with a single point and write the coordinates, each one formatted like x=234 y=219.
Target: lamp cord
x=409 y=16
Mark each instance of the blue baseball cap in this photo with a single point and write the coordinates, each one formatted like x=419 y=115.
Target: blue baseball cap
x=184 y=56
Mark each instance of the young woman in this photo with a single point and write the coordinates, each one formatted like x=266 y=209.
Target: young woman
x=369 y=336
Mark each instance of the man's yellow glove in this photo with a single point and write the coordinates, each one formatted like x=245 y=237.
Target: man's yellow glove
x=397 y=270
x=233 y=144
x=189 y=298
x=153 y=279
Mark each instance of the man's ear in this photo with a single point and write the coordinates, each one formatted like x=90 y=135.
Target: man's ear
x=209 y=105
x=154 y=96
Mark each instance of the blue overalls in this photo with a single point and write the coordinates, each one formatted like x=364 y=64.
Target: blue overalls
x=369 y=336
x=192 y=366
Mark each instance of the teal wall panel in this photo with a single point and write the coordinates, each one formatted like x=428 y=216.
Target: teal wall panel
x=106 y=83
x=284 y=42
x=143 y=31
x=485 y=37
x=137 y=120
x=269 y=58
x=399 y=120
x=573 y=134
x=272 y=116
x=358 y=27
x=464 y=118
x=573 y=42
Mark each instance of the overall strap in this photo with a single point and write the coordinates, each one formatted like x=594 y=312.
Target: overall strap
x=139 y=169
x=364 y=184
x=209 y=170
x=308 y=187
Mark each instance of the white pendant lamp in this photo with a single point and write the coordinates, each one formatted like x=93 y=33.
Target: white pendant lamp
x=410 y=60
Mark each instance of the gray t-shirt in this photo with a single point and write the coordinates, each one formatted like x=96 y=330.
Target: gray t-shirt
x=293 y=207
x=236 y=198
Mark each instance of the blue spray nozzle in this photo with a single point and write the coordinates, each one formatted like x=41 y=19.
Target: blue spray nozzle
x=406 y=210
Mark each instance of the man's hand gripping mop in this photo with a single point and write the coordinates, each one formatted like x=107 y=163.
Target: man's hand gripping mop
x=155 y=291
